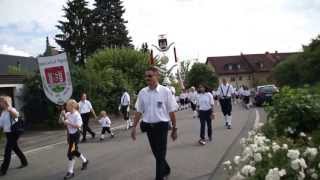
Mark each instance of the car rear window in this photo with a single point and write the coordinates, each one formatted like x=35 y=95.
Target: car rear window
x=267 y=89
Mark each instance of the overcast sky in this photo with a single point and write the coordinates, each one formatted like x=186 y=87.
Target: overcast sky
x=200 y=28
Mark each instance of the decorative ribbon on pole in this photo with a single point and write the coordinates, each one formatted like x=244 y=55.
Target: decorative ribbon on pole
x=179 y=75
x=151 y=59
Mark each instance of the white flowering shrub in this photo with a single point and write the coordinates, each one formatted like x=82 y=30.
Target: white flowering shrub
x=275 y=159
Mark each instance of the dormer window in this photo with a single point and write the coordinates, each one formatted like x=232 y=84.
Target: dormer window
x=260 y=65
x=230 y=67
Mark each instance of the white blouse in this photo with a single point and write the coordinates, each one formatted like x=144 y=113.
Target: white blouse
x=5 y=120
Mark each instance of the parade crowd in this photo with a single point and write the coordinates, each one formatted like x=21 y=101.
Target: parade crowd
x=155 y=110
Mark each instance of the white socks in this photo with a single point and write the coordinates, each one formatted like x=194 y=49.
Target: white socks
x=83 y=158
x=71 y=166
x=194 y=114
x=102 y=136
x=229 y=120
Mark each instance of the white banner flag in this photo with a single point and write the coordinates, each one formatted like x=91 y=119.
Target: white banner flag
x=56 y=79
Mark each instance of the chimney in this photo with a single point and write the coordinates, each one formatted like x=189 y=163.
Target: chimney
x=267 y=52
x=276 y=52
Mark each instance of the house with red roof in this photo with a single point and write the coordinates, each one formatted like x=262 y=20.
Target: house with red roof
x=247 y=69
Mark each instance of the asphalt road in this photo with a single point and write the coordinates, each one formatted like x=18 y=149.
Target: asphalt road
x=122 y=159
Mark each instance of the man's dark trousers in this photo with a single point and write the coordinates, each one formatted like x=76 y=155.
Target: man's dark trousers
x=85 y=119
x=158 y=138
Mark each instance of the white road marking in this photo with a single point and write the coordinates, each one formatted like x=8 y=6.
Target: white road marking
x=47 y=147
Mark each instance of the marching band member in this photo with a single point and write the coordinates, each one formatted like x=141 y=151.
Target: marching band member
x=105 y=122
x=9 y=114
x=205 y=104
x=85 y=110
x=183 y=97
x=157 y=106
x=225 y=92
x=246 y=97
x=73 y=122
x=124 y=107
x=193 y=101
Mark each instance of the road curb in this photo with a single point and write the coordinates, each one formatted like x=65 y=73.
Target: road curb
x=234 y=142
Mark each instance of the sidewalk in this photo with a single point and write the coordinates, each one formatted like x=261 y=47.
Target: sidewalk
x=35 y=139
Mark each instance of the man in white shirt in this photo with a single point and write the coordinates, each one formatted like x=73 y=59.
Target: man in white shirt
x=225 y=92
x=124 y=107
x=85 y=109
x=157 y=105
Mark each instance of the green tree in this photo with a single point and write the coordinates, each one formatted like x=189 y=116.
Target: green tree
x=184 y=69
x=38 y=110
x=287 y=72
x=109 y=25
x=74 y=30
x=201 y=74
x=300 y=69
x=108 y=72
x=145 y=48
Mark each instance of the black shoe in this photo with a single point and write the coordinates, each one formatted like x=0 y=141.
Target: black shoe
x=210 y=139
x=22 y=166
x=112 y=135
x=85 y=165
x=2 y=173
x=101 y=139
x=68 y=176
x=229 y=127
x=166 y=176
x=83 y=140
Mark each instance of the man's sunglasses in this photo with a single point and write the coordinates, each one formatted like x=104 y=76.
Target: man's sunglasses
x=148 y=75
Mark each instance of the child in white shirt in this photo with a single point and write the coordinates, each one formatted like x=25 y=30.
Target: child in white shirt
x=73 y=122
x=105 y=122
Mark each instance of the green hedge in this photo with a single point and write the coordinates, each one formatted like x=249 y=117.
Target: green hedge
x=297 y=108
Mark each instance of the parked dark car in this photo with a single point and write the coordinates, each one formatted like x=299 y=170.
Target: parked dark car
x=264 y=94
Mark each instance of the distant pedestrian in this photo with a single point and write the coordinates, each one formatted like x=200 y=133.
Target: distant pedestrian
x=105 y=122
x=215 y=95
x=193 y=95
x=124 y=107
x=157 y=105
x=9 y=116
x=226 y=92
x=73 y=122
x=246 y=97
x=205 y=104
x=85 y=110
x=183 y=100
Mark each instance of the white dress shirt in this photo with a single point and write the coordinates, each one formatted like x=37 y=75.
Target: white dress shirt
x=125 y=99
x=183 y=96
x=246 y=93
x=225 y=90
x=205 y=101
x=156 y=104
x=105 y=121
x=5 y=120
x=73 y=118
x=193 y=97
x=85 y=106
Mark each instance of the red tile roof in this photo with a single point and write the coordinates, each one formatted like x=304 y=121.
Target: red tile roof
x=249 y=63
